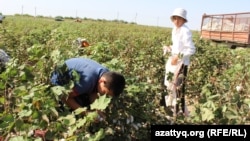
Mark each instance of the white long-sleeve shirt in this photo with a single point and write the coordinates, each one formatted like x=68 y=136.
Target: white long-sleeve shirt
x=183 y=43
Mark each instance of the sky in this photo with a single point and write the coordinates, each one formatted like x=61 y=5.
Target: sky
x=143 y=12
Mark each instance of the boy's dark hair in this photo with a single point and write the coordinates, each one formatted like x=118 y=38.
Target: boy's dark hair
x=115 y=82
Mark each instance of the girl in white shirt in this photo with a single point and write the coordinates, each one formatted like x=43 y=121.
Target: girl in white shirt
x=181 y=49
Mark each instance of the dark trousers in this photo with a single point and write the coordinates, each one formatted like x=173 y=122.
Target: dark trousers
x=181 y=87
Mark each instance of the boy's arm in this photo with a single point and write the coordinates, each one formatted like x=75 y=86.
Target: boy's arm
x=70 y=101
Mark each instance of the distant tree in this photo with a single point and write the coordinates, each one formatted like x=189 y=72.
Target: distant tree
x=40 y=16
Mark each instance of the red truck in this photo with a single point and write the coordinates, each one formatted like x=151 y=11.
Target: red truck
x=233 y=28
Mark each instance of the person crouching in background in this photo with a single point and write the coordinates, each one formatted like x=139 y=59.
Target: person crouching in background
x=81 y=43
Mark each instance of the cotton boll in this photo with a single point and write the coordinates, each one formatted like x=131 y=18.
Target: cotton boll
x=131 y=119
x=30 y=133
x=139 y=125
x=149 y=80
x=166 y=49
x=101 y=119
x=128 y=121
x=239 y=88
x=135 y=126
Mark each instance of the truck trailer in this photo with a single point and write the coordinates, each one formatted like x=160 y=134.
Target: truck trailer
x=232 y=28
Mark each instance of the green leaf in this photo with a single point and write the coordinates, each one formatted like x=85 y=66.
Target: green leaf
x=25 y=113
x=207 y=114
x=54 y=111
x=21 y=88
x=2 y=99
x=58 y=90
x=8 y=118
x=81 y=122
x=38 y=139
x=2 y=85
x=68 y=120
x=224 y=108
x=247 y=101
x=80 y=110
x=71 y=130
x=214 y=96
x=4 y=76
x=101 y=103
x=238 y=67
x=76 y=76
x=98 y=135
x=230 y=115
x=17 y=138
x=29 y=96
x=35 y=114
x=55 y=54
x=91 y=116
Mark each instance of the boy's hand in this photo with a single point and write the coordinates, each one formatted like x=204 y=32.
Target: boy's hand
x=174 y=60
